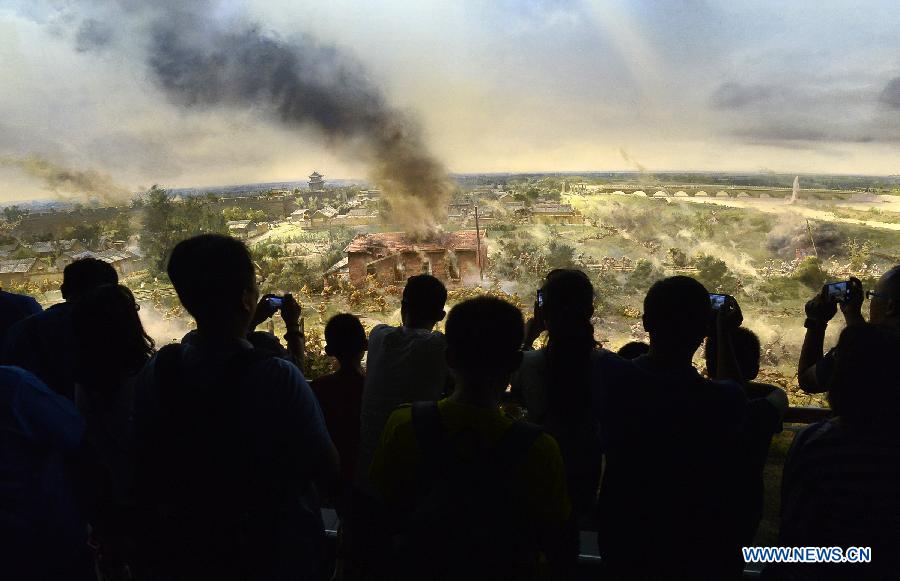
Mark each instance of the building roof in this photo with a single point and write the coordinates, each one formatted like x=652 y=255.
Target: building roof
x=552 y=209
x=300 y=212
x=42 y=247
x=327 y=211
x=394 y=242
x=315 y=174
x=361 y=213
x=108 y=256
x=16 y=266
x=239 y=224
x=342 y=264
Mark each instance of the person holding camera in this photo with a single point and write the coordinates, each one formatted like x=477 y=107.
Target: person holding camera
x=671 y=503
x=842 y=476
x=294 y=336
x=814 y=369
x=230 y=445
x=556 y=382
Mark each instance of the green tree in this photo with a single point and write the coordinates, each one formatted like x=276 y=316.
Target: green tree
x=715 y=275
x=158 y=236
x=88 y=234
x=560 y=255
x=13 y=213
x=120 y=226
x=810 y=273
x=643 y=276
x=860 y=254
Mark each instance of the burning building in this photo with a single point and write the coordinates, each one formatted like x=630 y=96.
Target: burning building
x=392 y=257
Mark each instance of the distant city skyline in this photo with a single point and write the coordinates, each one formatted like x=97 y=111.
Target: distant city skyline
x=510 y=86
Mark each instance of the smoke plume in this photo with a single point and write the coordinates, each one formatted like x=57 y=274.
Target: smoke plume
x=630 y=160
x=201 y=59
x=791 y=234
x=67 y=182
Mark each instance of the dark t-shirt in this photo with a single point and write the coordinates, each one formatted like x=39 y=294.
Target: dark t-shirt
x=225 y=449
x=44 y=344
x=763 y=422
x=674 y=447
x=14 y=308
x=340 y=396
x=840 y=489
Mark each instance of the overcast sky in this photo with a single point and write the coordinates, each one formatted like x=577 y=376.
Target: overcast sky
x=500 y=85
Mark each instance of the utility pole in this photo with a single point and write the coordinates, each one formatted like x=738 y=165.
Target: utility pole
x=478 y=246
x=811 y=239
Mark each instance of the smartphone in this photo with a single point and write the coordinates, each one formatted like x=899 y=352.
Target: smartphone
x=717 y=300
x=540 y=298
x=275 y=302
x=838 y=292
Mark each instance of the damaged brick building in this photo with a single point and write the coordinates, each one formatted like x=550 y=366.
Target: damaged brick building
x=392 y=257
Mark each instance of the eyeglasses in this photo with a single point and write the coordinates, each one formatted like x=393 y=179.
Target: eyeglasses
x=871 y=293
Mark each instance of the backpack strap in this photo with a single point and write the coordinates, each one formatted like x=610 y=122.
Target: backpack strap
x=426 y=420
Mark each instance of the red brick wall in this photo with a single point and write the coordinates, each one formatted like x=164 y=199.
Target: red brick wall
x=412 y=263
x=357 y=267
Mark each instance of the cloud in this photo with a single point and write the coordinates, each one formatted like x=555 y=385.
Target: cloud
x=890 y=96
x=809 y=113
x=731 y=95
x=92 y=35
x=522 y=86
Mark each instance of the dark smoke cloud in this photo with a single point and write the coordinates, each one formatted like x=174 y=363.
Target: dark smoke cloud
x=201 y=61
x=68 y=182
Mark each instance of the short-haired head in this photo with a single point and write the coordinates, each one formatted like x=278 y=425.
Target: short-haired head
x=747 y=351
x=215 y=279
x=568 y=298
x=84 y=275
x=484 y=340
x=633 y=350
x=677 y=312
x=863 y=388
x=424 y=297
x=885 y=306
x=345 y=337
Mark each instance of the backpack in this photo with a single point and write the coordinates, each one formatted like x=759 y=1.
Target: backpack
x=468 y=522
x=208 y=494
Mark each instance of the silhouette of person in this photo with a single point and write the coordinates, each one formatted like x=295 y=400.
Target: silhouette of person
x=674 y=446
x=814 y=369
x=842 y=476
x=340 y=393
x=766 y=409
x=44 y=343
x=340 y=396
x=556 y=382
x=229 y=442
x=476 y=495
x=111 y=349
x=404 y=364
x=14 y=308
x=42 y=523
x=633 y=350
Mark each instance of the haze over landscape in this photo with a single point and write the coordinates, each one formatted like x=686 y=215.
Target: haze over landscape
x=560 y=85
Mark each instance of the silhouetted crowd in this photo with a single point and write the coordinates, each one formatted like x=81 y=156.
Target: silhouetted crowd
x=463 y=454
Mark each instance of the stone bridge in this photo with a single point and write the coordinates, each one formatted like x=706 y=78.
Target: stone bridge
x=716 y=191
